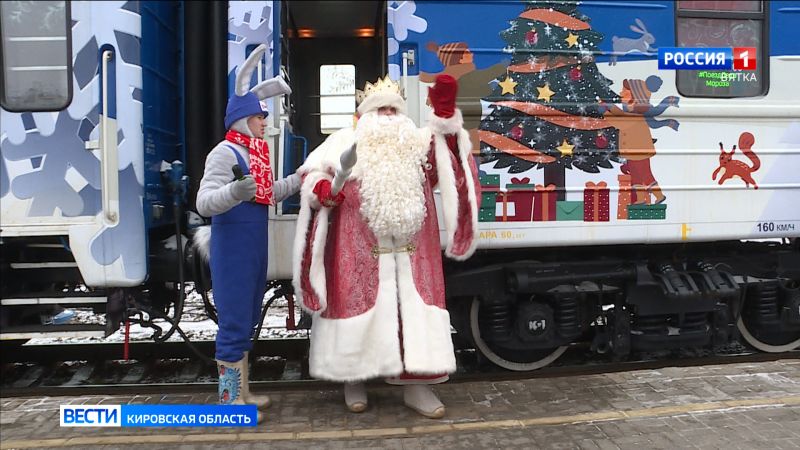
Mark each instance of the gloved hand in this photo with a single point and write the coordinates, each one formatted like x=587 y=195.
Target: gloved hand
x=244 y=189
x=323 y=191
x=442 y=96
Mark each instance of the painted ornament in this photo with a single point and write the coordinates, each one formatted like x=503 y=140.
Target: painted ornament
x=517 y=132
x=575 y=74
x=601 y=141
x=531 y=37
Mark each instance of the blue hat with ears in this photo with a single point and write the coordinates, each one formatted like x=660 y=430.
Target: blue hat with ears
x=245 y=101
x=241 y=106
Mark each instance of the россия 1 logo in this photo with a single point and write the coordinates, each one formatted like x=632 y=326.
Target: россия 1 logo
x=713 y=58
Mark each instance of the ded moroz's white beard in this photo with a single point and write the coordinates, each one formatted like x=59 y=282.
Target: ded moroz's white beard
x=391 y=154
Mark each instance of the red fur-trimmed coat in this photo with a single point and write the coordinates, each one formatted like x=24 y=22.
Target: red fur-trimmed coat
x=355 y=295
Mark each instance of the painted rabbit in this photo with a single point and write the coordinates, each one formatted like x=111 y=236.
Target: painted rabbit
x=623 y=45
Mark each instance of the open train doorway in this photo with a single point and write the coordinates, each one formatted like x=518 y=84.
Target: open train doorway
x=330 y=48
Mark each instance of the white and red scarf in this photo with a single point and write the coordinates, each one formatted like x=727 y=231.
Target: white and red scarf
x=260 y=168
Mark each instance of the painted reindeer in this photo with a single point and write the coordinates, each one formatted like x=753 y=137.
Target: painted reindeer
x=729 y=167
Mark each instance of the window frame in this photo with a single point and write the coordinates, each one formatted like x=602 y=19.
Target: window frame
x=762 y=16
x=70 y=74
x=329 y=131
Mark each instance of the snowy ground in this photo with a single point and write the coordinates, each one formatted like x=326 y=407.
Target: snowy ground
x=194 y=322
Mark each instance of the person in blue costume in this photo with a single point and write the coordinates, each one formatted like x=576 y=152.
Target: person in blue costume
x=238 y=202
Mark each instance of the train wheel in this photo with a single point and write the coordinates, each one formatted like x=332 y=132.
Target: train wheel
x=511 y=360
x=769 y=343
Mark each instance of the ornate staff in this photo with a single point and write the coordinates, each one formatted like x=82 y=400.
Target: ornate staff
x=347 y=160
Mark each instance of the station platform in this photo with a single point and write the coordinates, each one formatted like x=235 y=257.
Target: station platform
x=731 y=406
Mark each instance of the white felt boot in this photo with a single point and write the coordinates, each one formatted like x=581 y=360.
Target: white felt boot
x=355 y=397
x=262 y=401
x=423 y=400
x=230 y=383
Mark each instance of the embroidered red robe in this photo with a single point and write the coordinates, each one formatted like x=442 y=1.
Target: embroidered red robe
x=362 y=289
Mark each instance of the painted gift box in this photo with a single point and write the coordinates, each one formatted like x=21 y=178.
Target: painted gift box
x=544 y=206
x=488 y=199
x=647 y=212
x=492 y=203
x=596 y=202
x=490 y=181
x=486 y=215
x=518 y=206
x=624 y=198
x=569 y=210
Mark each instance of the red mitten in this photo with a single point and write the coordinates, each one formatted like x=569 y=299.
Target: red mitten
x=443 y=96
x=323 y=191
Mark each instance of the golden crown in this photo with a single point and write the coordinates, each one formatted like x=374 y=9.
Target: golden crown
x=382 y=86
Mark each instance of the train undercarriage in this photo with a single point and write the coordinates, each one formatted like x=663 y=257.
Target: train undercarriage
x=518 y=313
x=523 y=315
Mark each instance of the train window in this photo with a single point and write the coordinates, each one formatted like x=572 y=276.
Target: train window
x=710 y=23
x=720 y=5
x=36 y=59
x=337 y=96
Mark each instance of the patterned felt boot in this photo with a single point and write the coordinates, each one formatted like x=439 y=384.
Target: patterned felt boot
x=262 y=401
x=230 y=383
x=355 y=397
x=423 y=400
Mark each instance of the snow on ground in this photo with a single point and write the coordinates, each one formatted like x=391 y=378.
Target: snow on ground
x=194 y=322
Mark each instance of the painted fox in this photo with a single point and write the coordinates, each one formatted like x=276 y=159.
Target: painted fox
x=729 y=167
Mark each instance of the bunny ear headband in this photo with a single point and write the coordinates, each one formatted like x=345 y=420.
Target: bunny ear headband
x=267 y=88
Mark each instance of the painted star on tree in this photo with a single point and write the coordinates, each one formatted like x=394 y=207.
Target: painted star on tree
x=508 y=85
x=545 y=93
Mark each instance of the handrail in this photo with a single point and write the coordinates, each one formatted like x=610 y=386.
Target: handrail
x=108 y=147
x=405 y=73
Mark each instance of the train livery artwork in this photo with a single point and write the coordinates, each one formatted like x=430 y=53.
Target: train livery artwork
x=622 y=206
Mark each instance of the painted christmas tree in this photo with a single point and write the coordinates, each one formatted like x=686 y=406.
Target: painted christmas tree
x=548 y=107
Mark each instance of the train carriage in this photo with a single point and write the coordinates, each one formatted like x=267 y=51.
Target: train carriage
x=623 y=206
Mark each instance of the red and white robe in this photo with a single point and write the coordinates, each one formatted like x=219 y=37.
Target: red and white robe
x=367 y=294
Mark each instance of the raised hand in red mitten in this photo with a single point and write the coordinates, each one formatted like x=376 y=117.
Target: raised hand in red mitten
x=442 y=96
x=323 y=191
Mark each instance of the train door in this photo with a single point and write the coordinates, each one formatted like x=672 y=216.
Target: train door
x=332 y=48
x=327 y=49
x=89 y=112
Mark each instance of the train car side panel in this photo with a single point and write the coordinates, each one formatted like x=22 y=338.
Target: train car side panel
x=570 y=96
x=56 y=179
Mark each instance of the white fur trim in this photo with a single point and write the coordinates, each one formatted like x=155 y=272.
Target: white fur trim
x=319 y=165
x=450 y=125
x=317 y=275
x=326 y=157
x=375 y=101
x=308 y=200
x=299 y=247
x=368 y=346
x=447 y=187
x=202 y=242
x=427 y=343
x=361 y=347
x=465 y=152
